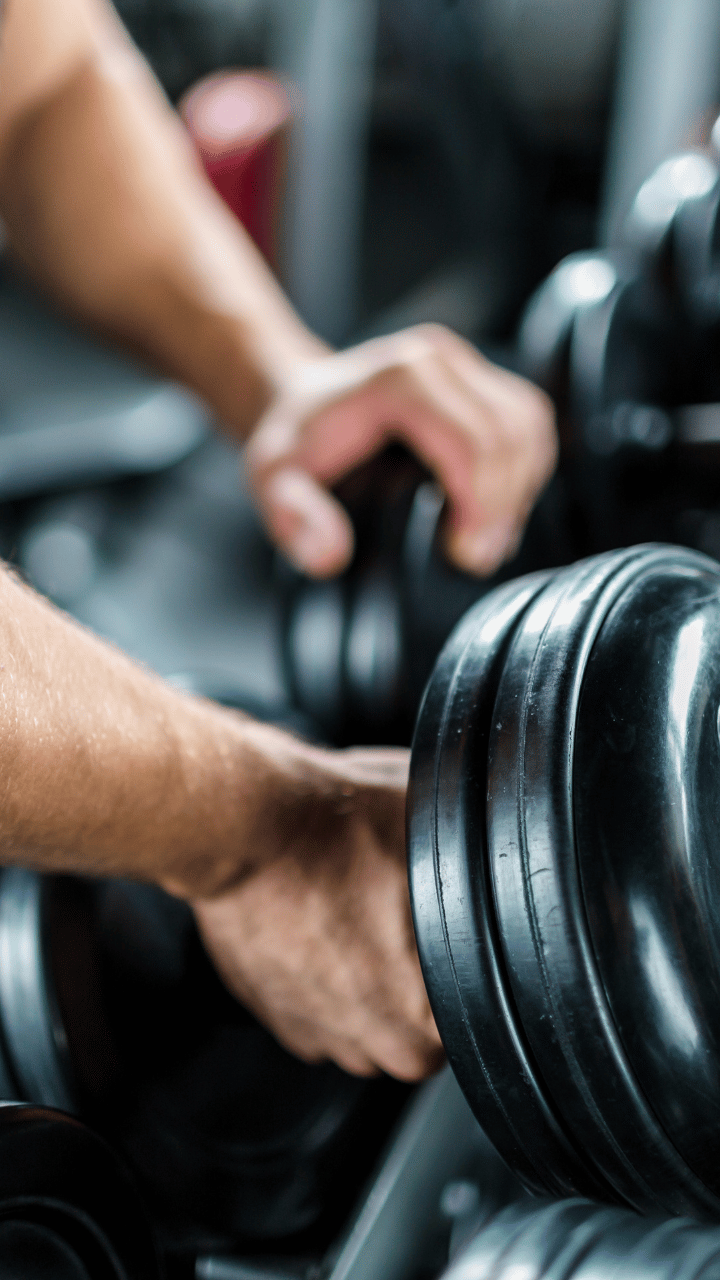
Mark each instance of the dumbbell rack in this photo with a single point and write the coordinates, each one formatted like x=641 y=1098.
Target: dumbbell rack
x=572 y=1080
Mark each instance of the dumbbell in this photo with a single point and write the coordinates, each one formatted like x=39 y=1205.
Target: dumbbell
x=360 y=648
x=673 y=230
x=565 y=875
x=579 y=1240
x=617 y=326
x=603 y=338
x=627 y=342
x=110 y=1009
x=597 y=336
x=68 y=1210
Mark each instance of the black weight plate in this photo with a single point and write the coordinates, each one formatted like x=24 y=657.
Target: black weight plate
x=577 y=1240
x=434 y=593
x=31 y=1027
x=227 y=1132
x=647 y=798
x=65 y=1198
x=543 y=929
x=344 y=641
x=697 y=265
x=580 y=280
x=373 y=668
x=621 y=352
x=32 y=1251
x=452 y=907
x=314 y=642
x=651 y=225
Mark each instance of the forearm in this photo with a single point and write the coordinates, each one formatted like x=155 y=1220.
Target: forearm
x=105 y=769
x=106 y=204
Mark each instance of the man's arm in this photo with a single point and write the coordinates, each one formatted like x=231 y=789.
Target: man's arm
x=106 y=205
x=108 y=208
x=292 y=856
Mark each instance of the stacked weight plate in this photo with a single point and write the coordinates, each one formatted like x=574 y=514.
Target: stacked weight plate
x=627 y=342
x=360 y=649
x=110 y=1009
x=565 y=874
x=621 y=337
x=67 y=1208
x=577 y=1240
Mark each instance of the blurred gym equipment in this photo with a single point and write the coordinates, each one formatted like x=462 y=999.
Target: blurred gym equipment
x=110 y=1009
x=359 y=649
x=627 y=343
x=239 y=122
x=91 y=417
x=583 y=1241
x=68 y=1210
x=667 y=84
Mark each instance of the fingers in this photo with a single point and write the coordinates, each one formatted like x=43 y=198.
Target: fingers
x=488 y=435
x=403 y=1052
x=407 y=1050
x=290 y=484
x=385 y=769
x=490 y=438
x=308 y=525
x=485 y=468
x=408 y=1046
x=316 y=1009
x=404 y=1059
x=315 y=1045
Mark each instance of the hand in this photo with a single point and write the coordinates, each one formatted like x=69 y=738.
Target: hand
x=318 y=941
x=486 y=434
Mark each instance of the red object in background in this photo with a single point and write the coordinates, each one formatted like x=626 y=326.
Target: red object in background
x=239 y=121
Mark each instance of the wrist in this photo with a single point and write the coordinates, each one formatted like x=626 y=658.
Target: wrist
x=251 y=789
x=239 y=366
x=267 y=361
x=282 y=796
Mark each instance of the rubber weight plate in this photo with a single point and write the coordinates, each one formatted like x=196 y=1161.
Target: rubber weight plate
x=576 y=1240
x=554 y=973
x=651 y=226
x=67 y=1208
x=109 y=1004
x=646 y=789
x=697 y=258
x=622 y=353
x=581 y=280
x=452 y=903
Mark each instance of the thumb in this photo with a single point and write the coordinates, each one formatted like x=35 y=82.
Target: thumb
x=305 y=521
